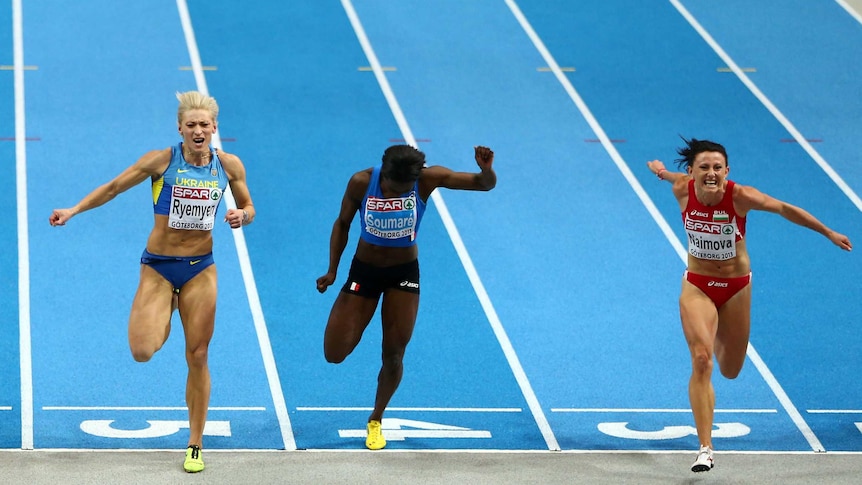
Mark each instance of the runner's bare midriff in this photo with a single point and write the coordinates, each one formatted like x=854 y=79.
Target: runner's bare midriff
x=737 y=266
x=383 y=256
x=166 y=241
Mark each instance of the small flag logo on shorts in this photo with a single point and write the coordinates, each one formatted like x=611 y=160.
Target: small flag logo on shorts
x=720 y=216
x=354 y=286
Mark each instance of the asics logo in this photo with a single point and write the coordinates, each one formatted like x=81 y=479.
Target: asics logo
x=717 y=284
x=408 y=284
x=194 y=262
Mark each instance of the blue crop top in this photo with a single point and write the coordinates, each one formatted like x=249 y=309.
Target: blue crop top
x=189 y=195
x=392 y=222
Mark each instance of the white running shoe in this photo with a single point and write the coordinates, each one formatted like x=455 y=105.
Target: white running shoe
x=704 y=461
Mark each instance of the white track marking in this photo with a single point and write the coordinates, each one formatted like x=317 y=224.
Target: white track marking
x=244 y=261
x=25 y=346
x=650 y=206
x=455 y=236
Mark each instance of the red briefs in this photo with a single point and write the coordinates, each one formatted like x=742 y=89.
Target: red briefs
x=719 y=290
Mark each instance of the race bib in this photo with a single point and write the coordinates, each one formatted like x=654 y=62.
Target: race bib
x=391 y=218
x=193 y=208
x=711 y=240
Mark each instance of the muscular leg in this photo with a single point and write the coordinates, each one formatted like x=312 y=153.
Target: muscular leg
x=348 y=319
x=399 y=317
x=699 y=323
x=734 y=325
x=197 y=304
x=150 y=318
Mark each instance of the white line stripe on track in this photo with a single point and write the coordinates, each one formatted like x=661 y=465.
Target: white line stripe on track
x=803 y=142
x=650 y=206
x=597 y=128
x=244 y=261
x=424 y=450
x=24 y=343
x=770 y=379
x=439 y=410
x=455 y=236
x=846 y=6
x=149 y=408
x=656 y=410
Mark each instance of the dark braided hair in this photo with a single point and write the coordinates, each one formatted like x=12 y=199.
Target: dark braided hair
x=402 y=163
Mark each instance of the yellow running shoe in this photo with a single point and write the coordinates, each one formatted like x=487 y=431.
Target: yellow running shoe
x=375 y=440
x=194 y=461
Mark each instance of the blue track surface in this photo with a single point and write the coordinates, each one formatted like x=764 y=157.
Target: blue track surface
x=567 y=334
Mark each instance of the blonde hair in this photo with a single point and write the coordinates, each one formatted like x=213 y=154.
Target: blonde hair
x=190 y=100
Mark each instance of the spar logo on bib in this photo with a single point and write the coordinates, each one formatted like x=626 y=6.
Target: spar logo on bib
x=389 y=205
x=195 y=193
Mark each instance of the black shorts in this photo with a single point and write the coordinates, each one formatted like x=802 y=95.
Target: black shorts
x=370 y=281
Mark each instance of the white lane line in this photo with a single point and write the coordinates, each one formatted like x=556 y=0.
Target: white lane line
x=244 y=260
x=656 y=410
x=785 y=401
x=770 y=379
x=402 y=409
x=654 y=212
x=24 y=344
x=852 y=11
x=149 y=408
x=455 y=236
x=761 y=366
x=597 y=128
x=803 y=142
x=364 y=453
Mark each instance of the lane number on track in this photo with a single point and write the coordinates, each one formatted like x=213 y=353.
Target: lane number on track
x=155 y=429
x=396 y=429
x=720 y=430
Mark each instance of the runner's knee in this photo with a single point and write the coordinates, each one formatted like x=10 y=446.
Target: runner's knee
x=143 y=352
x=197 y=355
x=730 y=359
x=730 y=370
x=337 y=348
x=701 y=360
x=393 y=359
x=334 y=356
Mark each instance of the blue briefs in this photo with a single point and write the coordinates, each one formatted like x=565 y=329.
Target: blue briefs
x=178 y=270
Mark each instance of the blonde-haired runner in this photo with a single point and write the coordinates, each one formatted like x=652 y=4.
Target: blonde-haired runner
x=177 y=267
